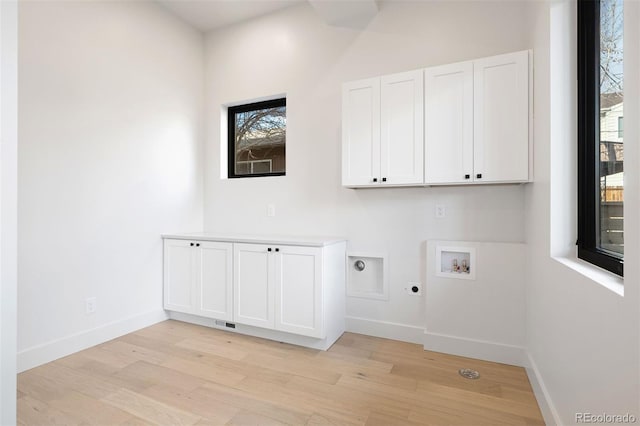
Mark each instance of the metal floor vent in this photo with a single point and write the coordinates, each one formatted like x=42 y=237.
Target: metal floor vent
x=468 y=373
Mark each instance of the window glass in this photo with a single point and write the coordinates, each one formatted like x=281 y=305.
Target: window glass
x=257 y=139
x=611 y=197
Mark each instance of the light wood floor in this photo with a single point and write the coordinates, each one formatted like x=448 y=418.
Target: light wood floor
x=178 y=373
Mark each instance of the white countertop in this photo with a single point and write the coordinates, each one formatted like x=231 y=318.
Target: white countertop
x=292 y=240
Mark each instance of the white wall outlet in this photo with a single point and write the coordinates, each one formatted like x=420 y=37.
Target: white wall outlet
x=441 y=211
x=90 y=305
x=414 y=289
x=271 y=210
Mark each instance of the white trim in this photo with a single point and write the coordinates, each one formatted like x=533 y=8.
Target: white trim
x=473 y=348
x=50 y=351
x=384 y=295
x=8 y=208
x=607 y=279
x=386 y=330
x=543 y=398
x=263 y=333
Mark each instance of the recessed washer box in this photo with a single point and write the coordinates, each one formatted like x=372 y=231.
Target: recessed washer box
x=367 y=276
x=457 y=262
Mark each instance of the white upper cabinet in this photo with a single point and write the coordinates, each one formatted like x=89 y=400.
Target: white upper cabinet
x=360 y=132
x=501 y=118
x=449 y=123
x=382 y=130
x=477 y=121
x=401 y=136
x=460 y=123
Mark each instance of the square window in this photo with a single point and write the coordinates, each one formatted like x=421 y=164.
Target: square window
x=257 y=139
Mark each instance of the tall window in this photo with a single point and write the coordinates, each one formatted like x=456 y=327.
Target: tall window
x=600 y=133
x=257 y=136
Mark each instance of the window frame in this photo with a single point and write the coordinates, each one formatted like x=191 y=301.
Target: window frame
x=231 y=136
x=589 y=140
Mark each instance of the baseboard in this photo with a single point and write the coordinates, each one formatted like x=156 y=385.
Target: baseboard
x=263 y=333
x=545 y=403
x=479 y=349
x=384 y=329
x=50 y=351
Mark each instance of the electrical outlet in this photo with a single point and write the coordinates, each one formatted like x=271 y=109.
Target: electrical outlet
x=90 y=305
x=271 y=210
x=414 y=289
x=441 y=211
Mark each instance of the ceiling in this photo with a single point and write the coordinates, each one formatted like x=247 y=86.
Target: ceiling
x=207 y=15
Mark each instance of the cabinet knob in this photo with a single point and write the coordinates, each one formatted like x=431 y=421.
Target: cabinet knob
x=277 y=249
x=197 y=244
x=479 y=176
x=191 y=244
x=467 y=176
x=384 y=179
x=269 y=249
x=375 y=179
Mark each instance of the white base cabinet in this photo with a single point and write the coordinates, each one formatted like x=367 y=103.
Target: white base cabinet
x=290 y=289
x=279 y=287
x=197 y=278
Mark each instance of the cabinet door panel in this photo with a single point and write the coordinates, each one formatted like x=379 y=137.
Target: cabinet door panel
x=449 y=123
x=298 y=272
x=253 y=286
x=179 y=280
x=501 y=121
x=361 y=132
x=215 y=284
x=401 y=137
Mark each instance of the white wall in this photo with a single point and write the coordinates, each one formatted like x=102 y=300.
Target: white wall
x=110 y=111
x=8 y=208
x=483 y=317
x=582 y=336
x=294 y=52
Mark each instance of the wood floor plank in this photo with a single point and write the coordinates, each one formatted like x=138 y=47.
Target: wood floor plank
x=88 y=410
x=179 y=373
x=298 y=367
x=150 y=409
x=211 y=411
x=288 y=413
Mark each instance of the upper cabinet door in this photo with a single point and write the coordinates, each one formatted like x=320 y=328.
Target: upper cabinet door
x=448 y=156
x=501 y=119
x=402 y=123
x=361 y=132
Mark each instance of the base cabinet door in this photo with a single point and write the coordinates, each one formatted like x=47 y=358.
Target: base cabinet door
x=253 y=285
x=179 y=277
x=214 y=285
x=298 y=291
